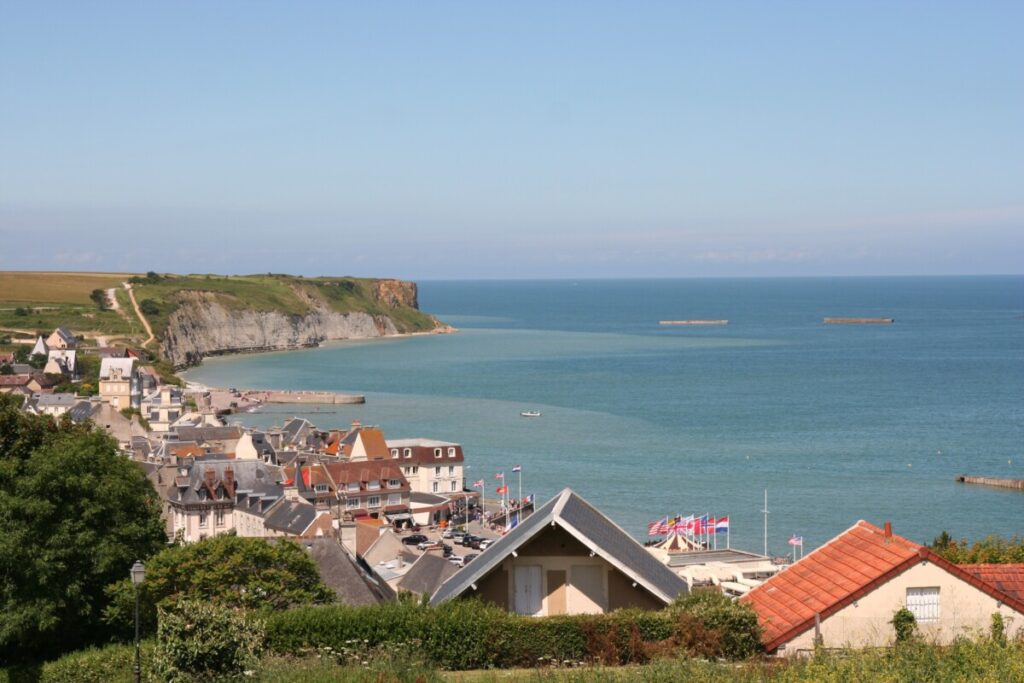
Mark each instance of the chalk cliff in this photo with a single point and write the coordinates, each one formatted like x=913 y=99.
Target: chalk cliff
x=205 y=324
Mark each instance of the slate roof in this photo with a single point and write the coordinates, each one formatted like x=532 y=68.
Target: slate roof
x=591 y=528
x=848 y=567
x=1009 y=578
x=81 y=411
x=427 y=574
x=386 y=548
x=290 y=517
x=339 y=573
x=252 y=479
x=55 y=400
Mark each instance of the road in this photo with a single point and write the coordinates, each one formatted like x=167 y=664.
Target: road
x=138 y=312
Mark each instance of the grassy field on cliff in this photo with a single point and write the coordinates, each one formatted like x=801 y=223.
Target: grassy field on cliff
x=40 y=301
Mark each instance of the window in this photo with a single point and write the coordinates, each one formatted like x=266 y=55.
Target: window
x=373 y=502
x=924 y=604
x=218 y=517
x=437 y=452
x=202 y=520
x=394 y=452
x=408 y=452
x=451 y=452
x=437 y=471
x=393 y=483
x=415 y=469
x=352 y=503
x=455 y=486
x=353 y=486
x=373 y=484
x=395 y=499
x=320 y=488
x=436 y=487
x=451 y=470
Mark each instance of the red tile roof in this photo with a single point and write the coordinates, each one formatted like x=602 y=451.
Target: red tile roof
x=1009 y=578
x=845 y=569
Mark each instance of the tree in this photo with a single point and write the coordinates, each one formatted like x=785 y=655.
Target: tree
x=226 y=570
x=149 y=307
x=74 y=516
x=99 y=297
x=989 y=550
x=6 y=369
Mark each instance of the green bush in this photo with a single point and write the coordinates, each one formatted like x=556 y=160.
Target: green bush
x=468 y=634
x=200 y=641
x=113 y=663
x=905 y=624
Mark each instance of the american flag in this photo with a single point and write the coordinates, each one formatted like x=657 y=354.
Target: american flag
x=796 y=540
x=479 y=483
x=653 y=527
x=499 y=475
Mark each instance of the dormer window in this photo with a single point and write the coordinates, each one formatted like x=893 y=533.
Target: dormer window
x=353 y=486
x=320 y=488
x=373 y=484
x=408 y=452
x=394 y=452
x=437 y=452
x=451 y=452
x=393 y=483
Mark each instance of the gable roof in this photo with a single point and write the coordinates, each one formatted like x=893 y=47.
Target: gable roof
x=848 y=567
x=387 y=548
x=291 y=517
x=1009 y=578
x=591 y=528
x=123 y=366
x=339 y=573
x=426 y=574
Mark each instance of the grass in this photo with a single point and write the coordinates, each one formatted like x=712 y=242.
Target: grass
x=981 y=660
x=54 y=288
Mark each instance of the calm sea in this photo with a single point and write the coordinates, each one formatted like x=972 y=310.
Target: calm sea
x=837 y=422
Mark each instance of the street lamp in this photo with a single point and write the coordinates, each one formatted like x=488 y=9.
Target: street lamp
x=138 y=574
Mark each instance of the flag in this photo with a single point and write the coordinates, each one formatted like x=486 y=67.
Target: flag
x=479 y=483
x=700 y=524
x=684 y=524
x=652 y=528
x=517 y=468
x=513 y=521
x=796 y=540
x=722 y=525
x=502 y=489
x=663 y=526
x=499 y=475
x=529 y=499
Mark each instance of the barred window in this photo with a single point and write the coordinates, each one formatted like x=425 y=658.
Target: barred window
x=924 y=604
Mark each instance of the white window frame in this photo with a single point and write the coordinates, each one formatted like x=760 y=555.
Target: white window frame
x=394 y=453
x=451 y=452
x=924 y=603
x=455 y=486
x=218 y=517
x=352 y=486
x=393 y=483
x=437 y=452
x=394 y=499
x=451 y=470
x=373 y=485
x=320 y=488
x=408 y=452
x=202 y=520
x=436 y=486
x=373 y=502
x=437 y=471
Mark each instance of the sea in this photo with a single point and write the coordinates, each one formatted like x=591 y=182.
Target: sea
x=834 y=423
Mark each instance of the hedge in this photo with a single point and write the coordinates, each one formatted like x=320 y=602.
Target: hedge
x=110 y=664
x=468 y=634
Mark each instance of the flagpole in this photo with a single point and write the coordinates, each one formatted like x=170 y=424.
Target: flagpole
x=520 y=484
x=483 y=504
x=765 y=511
x=728 y=543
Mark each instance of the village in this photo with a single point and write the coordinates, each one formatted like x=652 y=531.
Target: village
x=386 y=516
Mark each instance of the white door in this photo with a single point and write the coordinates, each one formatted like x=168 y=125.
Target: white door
x=528 y=584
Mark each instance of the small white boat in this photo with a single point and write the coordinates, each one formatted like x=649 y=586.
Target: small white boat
x=531 y=413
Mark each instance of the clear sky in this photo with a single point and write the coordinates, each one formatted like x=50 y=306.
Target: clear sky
x=517 y=139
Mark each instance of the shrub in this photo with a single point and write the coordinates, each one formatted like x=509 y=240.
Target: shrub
x=149 y=307
x=905 y=624
x=200 y=641
x=714 y=625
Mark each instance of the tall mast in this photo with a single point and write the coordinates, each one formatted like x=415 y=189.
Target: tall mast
x=765 y=511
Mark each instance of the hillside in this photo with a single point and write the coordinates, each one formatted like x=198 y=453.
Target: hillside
x=194 y=316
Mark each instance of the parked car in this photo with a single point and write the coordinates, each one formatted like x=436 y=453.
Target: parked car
x=469 y=558
x=487 y=542
x=430 y=545
x=468 y=539
x=457 y=560
x=414 y=539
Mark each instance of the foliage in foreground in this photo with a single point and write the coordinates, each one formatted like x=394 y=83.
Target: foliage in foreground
x=982 y=661
x=225 y=570
x=75 y=515
x=198 y=641
x=469 y=634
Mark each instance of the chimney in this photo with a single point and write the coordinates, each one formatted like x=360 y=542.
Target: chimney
x=229 y=480
x=888 y=529
x=210 y=474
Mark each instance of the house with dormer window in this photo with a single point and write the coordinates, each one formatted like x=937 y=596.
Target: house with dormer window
x=431 y=466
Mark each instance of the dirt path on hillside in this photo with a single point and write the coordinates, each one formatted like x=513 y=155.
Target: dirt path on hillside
x=138 y=312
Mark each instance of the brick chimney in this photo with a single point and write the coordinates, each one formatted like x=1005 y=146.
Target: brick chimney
x=888 y=529
x=229 y=481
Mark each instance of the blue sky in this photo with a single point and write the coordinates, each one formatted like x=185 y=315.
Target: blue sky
x=528 y=139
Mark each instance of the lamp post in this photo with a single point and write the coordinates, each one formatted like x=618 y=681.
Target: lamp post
x=138 y=574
